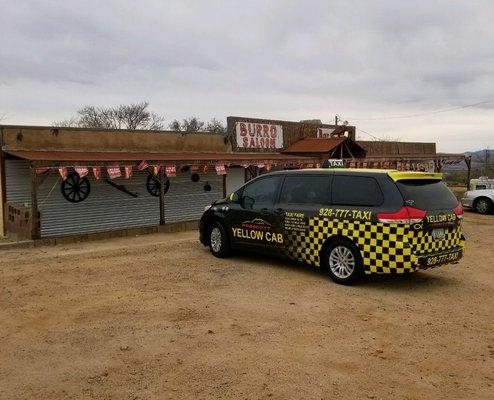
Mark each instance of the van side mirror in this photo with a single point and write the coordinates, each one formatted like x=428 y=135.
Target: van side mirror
x=234 y=198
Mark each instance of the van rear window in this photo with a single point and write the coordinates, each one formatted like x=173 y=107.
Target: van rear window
x=427 y=194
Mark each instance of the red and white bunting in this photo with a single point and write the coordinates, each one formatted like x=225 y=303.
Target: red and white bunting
x=220 y=169
x=114 y=171
x=42 y=170
x=193 y=168
x=97 y=173
x=128 y=171
x=206 y=169
x=81 y=171
x=63 y=172
x=143 y=165
x=171 y=170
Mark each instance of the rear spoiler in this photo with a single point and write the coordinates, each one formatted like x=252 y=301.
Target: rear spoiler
x=402 y=175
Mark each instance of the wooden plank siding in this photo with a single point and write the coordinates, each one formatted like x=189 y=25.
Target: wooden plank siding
x=385 y=148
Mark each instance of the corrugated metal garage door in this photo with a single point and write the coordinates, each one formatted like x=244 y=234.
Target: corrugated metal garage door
x=106 y=208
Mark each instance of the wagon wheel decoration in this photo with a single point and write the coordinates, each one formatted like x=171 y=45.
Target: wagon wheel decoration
x=75 y=189
x=153 y=185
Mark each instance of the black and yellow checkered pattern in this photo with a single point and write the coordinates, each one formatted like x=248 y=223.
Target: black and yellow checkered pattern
x=424 y=243
x=385 y=248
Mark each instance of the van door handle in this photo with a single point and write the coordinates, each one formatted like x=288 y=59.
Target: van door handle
x=279 y=211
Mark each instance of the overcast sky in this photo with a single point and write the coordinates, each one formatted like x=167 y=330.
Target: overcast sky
x=275 y=59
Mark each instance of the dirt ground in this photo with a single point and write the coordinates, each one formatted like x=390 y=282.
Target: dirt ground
x=157 y=317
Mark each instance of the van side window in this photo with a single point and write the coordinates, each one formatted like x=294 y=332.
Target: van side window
x=356 y=191
x=305 y=189
x=260 y=193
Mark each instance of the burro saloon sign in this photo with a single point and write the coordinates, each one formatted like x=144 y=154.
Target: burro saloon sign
x=252 y=135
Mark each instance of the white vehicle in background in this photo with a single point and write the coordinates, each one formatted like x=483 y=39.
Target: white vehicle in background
x=481 y=200
x=481 y=183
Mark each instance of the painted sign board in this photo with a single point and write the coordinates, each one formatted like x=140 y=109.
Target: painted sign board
x=252 y=135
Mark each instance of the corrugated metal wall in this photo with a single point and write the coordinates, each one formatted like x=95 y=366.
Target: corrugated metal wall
x=106 y=208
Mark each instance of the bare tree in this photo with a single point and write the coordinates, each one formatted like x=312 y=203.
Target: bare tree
x=215 y=126
x=175 y=126
x=192 y=124
x=125 y=116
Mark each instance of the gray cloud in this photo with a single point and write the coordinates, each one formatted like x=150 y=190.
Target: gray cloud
x=280 y=59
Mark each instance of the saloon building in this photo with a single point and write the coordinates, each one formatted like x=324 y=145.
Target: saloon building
x=66 y=181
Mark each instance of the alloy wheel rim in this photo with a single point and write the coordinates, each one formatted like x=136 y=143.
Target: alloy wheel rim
x=341 y=262
x=215 y=239
x=482 y=206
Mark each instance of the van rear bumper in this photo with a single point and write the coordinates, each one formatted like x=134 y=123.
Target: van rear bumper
x=440 y=258
x=415 y=262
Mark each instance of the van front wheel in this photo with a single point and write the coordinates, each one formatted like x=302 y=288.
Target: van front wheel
x=218 y=241
x=343 y=262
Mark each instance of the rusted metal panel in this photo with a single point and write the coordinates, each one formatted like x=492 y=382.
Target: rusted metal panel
x=83 y=139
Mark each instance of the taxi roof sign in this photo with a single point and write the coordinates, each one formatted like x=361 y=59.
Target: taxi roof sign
x=333 y=163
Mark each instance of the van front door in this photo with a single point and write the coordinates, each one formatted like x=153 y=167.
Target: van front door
x=253 y=221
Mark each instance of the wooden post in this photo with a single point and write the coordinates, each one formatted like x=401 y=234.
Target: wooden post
x=224 y=185
x=162 y=195
x=3 y=193
x=468 y=161
x=35 y=234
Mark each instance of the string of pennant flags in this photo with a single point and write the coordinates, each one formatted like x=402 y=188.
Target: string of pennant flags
x=170 y=170
x=126 y=171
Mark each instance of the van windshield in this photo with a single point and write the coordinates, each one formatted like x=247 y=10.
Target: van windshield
x=427 y=194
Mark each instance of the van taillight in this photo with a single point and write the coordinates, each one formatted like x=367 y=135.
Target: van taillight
x=458 y=210
x=405 y=215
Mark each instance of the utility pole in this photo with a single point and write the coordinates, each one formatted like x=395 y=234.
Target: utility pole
x=336 y=120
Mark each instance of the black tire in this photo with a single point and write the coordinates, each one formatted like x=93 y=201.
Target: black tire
x=483 y=205
x=334 y=256
x=219 y=243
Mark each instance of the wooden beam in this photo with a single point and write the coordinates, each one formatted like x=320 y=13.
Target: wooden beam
x=3 y=193
x=348 y=149
x=162 y=195
x=468 y=161
x=35 y=233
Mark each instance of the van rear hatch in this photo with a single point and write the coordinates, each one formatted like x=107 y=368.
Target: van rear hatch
x=440 y=229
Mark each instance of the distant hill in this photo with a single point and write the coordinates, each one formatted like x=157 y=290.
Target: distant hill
x=479 y=157
x=478 y=160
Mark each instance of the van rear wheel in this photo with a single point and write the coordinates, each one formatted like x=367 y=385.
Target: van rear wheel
x=343 y=262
